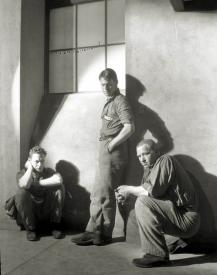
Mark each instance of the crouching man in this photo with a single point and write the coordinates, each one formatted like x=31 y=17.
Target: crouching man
x=40 y=195
x=166 y=204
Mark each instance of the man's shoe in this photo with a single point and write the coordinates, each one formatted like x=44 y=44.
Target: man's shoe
x=151 y=261
x=57 y=234
x=56 y=231
x=85 y=239
x=31 y=236
x=100 y=239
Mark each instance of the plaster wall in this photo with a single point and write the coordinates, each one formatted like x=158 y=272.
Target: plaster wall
x=71 y=143
x=173 y=57
x=10 y=18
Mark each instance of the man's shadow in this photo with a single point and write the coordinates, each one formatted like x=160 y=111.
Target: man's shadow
x=77 y=199
x=206 y=186
x=146 y=122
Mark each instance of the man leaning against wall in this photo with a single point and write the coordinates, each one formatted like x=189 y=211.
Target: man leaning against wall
x=117 y=127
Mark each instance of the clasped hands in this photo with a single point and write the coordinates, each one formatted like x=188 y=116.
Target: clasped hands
x=122 y=193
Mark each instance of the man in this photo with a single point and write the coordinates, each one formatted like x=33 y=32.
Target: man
x=117 y=127
x=40 y=195
x=166 y=204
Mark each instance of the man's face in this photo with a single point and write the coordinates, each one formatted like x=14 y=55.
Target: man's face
x=146 y=156
x=109 y=87
x=37 y=162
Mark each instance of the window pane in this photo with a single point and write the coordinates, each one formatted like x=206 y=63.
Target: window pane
x=61 y=72
x=90 y=63
x=116 y=22
x=62 y=28
x=116 y=61
x=91 y=24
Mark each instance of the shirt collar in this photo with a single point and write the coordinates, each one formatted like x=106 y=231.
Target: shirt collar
x=111 y=98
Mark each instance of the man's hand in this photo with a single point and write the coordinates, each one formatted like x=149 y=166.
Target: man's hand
x=124 y=190
x=110 y=146
x=28 y=165
x=122 y=193
x=120 y=199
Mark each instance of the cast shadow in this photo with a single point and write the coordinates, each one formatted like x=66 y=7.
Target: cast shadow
x=211 y=258
x=146 y=121
x=77 y=199
x=50 y=105
x=206 y=185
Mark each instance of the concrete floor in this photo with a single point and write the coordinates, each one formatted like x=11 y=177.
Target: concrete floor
x=61 y=257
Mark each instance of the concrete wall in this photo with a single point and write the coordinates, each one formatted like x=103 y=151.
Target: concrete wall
x=171 y=66
x=21 y=84
x=71 y=142
x=10 y=18
x=32 y=69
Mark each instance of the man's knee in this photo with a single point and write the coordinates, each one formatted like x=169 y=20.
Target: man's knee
x=144 y=206
x=22 y=197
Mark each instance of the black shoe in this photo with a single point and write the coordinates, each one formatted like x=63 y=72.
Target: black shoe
x=85 y=239
x=100 y=239
x=151 y=261
x=31 y=236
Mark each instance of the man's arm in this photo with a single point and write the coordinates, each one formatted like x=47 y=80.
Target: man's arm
x=55 y=180
x=126 y=190
x=25 y=180
x=123 y=192
x=124 y=134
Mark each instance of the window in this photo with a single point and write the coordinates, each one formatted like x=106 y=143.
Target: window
x=84 y=39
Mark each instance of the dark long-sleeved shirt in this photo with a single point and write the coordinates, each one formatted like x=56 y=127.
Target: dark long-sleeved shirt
x=167 y=179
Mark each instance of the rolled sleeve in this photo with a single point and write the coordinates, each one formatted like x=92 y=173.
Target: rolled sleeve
x=124 y=111
x=160 y=177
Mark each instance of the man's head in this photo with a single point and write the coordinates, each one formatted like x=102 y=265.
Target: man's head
x=109 y=82
x=37 y=157
x=147 y=152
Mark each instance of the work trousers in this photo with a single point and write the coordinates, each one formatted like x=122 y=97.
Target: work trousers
x=32 y=212
x=158 y=217
x=109 y=175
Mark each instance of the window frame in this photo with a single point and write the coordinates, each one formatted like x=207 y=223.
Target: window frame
x=64 y=3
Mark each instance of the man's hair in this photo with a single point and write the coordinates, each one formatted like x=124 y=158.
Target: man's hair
x=108 y=74
x=150 y=143
x=37 y=150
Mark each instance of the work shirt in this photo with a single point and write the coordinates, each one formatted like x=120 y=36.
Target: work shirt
x=167 y=179
x=37 y=191
x=116 y=112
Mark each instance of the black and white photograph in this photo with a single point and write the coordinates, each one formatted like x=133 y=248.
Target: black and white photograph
x=108 y=139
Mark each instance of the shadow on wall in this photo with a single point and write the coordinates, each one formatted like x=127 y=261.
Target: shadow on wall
x=145 y=120
x=49 y=107
x=77 y=200
x=205 y=184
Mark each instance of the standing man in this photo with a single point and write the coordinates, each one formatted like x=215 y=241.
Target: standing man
x=40 y=195
x=117 y=127
x=166 y=204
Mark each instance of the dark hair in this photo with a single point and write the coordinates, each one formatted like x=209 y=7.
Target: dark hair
x=150 y=142
x=37 y=150
x=108 y=74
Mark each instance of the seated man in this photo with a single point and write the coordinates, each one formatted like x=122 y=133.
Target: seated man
x=40 y=195
x=166 y=204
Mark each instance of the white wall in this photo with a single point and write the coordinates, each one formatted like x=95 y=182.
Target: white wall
x=10 y=18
